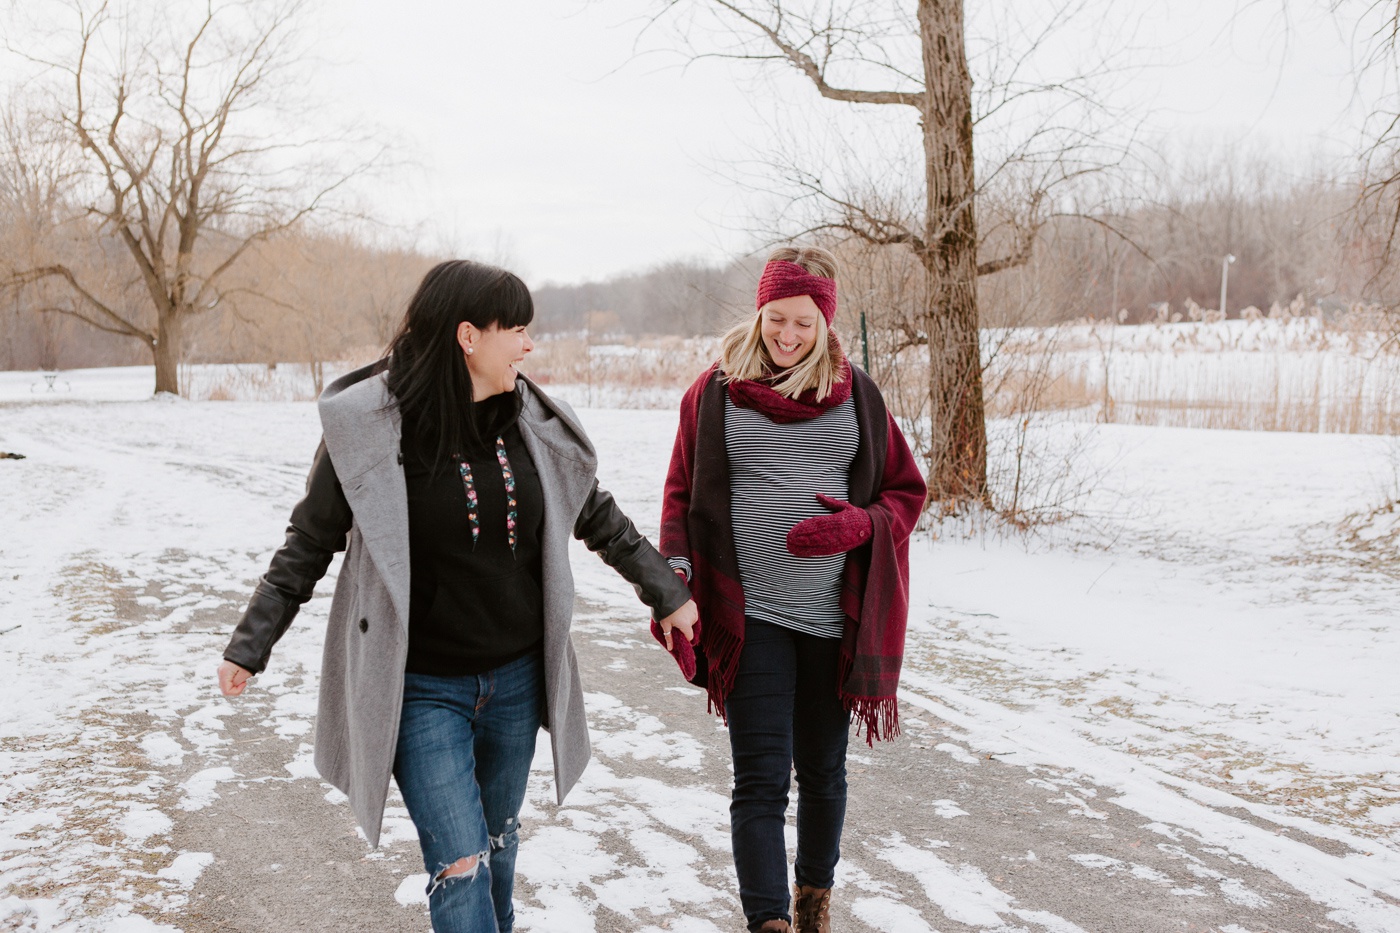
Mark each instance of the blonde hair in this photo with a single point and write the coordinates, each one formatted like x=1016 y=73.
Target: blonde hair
x=743 y=354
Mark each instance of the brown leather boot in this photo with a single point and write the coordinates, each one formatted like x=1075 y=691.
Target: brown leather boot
x=775 y=926
x=811 y=909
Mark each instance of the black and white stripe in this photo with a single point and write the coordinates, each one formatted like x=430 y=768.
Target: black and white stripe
x=775 y=473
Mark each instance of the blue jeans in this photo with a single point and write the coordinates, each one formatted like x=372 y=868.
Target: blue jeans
x=785 y=714
x=462 y=762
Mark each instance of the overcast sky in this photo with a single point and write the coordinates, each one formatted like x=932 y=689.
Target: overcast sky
x=533 y=135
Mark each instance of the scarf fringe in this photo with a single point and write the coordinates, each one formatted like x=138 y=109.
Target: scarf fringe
x=878 y=716
x=722 y=648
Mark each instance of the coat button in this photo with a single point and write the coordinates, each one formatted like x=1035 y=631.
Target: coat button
x=364 y=625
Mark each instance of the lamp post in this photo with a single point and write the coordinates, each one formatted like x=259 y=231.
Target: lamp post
x=1225 y=281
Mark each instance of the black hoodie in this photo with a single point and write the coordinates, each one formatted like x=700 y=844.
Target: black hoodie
x=474 y=603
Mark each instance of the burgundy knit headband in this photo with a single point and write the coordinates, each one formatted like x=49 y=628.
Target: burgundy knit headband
x=785 y=279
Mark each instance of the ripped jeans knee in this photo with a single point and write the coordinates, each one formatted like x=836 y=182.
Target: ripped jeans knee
x=469 y=867
x=466 y=868
x=508 y=838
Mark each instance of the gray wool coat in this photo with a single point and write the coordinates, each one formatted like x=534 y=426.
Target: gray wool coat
x=366 y=645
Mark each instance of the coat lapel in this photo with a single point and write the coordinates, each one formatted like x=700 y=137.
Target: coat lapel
x=563 y=455
x=362 y=430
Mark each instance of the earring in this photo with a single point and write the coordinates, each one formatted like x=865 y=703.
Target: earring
x=470 y=350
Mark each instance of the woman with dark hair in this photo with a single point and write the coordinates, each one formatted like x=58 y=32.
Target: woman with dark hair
x=788 y=508
x=453 y=485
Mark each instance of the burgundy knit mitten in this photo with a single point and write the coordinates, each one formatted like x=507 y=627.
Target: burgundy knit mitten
x=681 y=649
x=848 y=527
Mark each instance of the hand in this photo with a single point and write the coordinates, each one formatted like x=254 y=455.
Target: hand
x=684 y=619
x=848 y=528
x=232 y=679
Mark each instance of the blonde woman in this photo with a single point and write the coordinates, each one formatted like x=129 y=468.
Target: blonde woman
x=788 y=507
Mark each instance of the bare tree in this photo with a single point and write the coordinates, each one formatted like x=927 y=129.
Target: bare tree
x=876 y=54
x=1374 y=30
x=36 y=169
x=188 y=169
x=319 y=298
x=383 y=286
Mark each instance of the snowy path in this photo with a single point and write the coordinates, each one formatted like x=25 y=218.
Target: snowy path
x=1050 y=779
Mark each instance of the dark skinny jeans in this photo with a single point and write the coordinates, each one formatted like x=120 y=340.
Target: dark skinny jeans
x=784 y=713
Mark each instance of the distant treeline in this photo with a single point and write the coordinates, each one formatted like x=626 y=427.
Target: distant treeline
x=1291 y=234
x=682 y=298
x=314 y=296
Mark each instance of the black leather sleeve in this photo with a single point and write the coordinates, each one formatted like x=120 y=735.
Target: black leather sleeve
x=319 y=527
x=610 y=534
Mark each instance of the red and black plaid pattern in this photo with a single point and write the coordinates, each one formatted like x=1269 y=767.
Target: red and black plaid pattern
x=695 y=524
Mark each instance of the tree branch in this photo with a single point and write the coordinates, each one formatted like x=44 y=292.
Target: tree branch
x=32 y=276
x=815 y=73
x=1025 y=242
x=93 y=322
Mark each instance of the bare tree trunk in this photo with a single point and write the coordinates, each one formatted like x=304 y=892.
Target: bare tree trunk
x=12 y=344
x=166 y=350
x=48 y=346
x=958 y=455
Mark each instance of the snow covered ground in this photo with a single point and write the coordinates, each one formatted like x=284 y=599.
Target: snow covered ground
x=1216 y=649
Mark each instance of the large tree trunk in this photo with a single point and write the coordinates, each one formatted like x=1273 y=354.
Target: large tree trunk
x=167 y=349
x=958 y=452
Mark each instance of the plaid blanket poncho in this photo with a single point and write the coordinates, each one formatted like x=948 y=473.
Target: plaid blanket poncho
x=695 y=524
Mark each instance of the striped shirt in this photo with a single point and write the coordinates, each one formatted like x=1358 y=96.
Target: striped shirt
x=775 y=472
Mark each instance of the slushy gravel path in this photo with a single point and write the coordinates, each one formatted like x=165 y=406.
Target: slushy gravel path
x=134 y=799
x=942 y=834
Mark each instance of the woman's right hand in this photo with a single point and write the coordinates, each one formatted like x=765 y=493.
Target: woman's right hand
x=683 y=620
x=232 y=679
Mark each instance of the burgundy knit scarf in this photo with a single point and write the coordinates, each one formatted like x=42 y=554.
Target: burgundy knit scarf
x=759 y=394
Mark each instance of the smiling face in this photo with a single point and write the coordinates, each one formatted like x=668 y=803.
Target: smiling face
x=790 y=327
x=491 y=356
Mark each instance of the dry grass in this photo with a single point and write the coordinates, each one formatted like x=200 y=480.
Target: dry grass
x=1306 y=374
x=1025 y=390
x=646 y=372
x=257 y=382
x=1288 y=371
x=641 y=363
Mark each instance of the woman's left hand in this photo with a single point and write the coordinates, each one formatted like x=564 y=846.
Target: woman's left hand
x=847 y=528
x=684 y=619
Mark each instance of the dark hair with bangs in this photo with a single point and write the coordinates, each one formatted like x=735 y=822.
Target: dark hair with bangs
x=428 y=374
